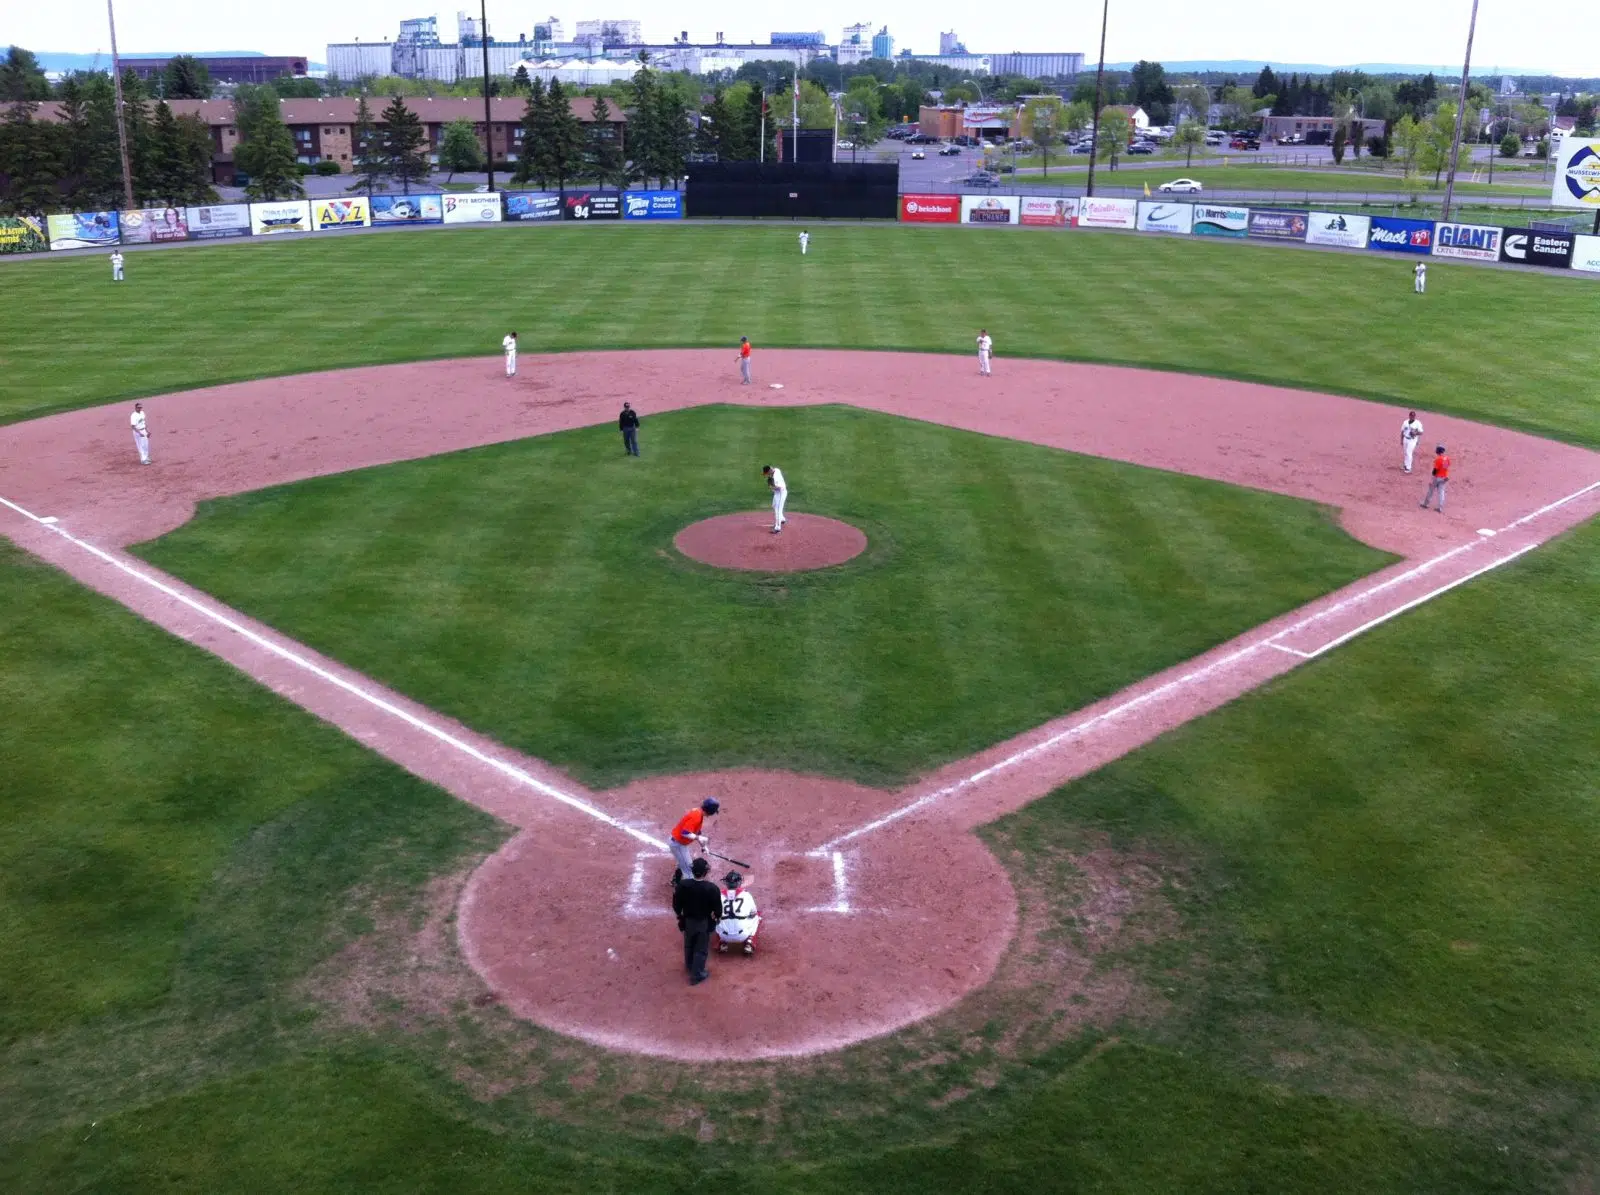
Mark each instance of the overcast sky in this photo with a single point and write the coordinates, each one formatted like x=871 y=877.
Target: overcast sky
x=1561 y=36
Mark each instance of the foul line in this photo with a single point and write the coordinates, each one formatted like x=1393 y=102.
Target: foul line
x=1228 y=660
x=372 y=699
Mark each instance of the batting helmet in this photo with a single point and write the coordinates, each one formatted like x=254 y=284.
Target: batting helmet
x=1438 y=447
x=733 y=879
x=710 y=805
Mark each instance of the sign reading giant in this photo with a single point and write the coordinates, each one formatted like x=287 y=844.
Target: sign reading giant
x=472 y=207
x=930 y=209
x=1474 y=242
x=1577 y=174
x=989 y=209
x=652 y=205
x=1397 y=235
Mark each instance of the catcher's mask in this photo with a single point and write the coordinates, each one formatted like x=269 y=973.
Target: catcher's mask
x=733 y=879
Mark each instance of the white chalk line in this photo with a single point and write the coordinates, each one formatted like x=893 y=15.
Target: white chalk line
x=637 y=906
x=505 y=769
x=1072 y=732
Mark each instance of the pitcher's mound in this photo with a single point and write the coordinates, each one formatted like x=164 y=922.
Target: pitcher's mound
x=745 y=541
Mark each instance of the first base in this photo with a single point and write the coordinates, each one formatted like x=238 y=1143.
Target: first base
x=777 y=385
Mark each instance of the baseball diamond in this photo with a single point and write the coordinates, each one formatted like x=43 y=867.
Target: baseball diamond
x=1110 y=775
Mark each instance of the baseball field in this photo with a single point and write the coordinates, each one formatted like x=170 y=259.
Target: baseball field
x=1160 y=801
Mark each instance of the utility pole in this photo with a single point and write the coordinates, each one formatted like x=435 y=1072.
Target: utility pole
x=1461 y=112
x=122 y=128
x=488 y=123
x=1099 y=76
x=794 y=117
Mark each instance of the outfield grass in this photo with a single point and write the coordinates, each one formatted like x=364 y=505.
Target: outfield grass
x=529 y=589
x=1342 y=322
x=1267 y=177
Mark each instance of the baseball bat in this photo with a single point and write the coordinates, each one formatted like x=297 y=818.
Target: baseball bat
x=726 y=858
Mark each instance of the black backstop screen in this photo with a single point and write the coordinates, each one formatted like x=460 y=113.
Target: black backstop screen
x=794 y=190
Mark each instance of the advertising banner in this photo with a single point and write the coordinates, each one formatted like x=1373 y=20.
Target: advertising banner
x=930 y=209
x=592 y=205
x=1108 y=213
x=533 y=205
x=1585 y=252
x=989 y=209
x=652 y=205
x=1524 y=246
x=351 y=212
x=218 y=220
x=1474 y=242
x=150 y=225
x=472 y=207
x=1045 y=212
x=1395 y=234
x=1156 y=216
x=1337 y=228
x=1213 y=221
x=407 y=209
x=83 y=230
x=1577 y=182
x=288 y=215
x=23 y=234
x=1278 y=225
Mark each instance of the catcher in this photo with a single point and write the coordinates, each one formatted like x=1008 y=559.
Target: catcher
x=740 y=920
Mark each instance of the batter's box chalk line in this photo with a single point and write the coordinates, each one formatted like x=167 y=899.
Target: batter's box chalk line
x=639 y=901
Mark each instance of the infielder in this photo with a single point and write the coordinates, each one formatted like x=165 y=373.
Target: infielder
x=805 y=242
x=690 y=830
x=1421 y=285
x=116 y=265
x=741 y=921
x=1410 y=433
x=510 y=346
x=744 y=359
x=985 y=347
x=780 y=495
x=1440 y=478
x=141 y=432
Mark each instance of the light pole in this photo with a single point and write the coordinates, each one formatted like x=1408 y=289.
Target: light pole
x=488 y=122
x=116 y=92
x=1461 y=112
x=1099 y=76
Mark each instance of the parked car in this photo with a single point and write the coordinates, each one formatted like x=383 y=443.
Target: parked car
x=1244 y=143
x=917 y=155
x=1181 y=186
x=1216 y=137
x=1141 y=147
x=979 y=178
x=847 y=145
x=1005 y=168
x=1083 y=147
x=949 y=151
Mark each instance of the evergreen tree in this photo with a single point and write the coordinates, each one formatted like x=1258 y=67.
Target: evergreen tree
x=99 y=183
x=21 y=77
x=186 y=78
x=566 y=135
x=366 y=151
x=673 y=135
x=604 y=154
x=521 y=84
x=714 y=127
x=533 y=160
x=141 y=143
x=1267 y=84
x=194 y=154
x=266 y=150
x=166 y=180
x=405 y=150
x=30 y=163
x=644 y=150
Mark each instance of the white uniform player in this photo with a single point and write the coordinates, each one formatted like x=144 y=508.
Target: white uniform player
x=805 y=243
x=1410 y=433
x=1422 y=278
x=741 y=921
x=985 y=347
x=116 y=265
x=141 y=433
x=780 y=495
x=510 y=346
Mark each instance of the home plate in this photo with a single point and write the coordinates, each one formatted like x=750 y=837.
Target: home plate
x=777 y=385
x=1486 y=532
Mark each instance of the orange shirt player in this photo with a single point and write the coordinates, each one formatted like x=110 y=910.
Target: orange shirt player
x=1439 y=480
x=689 y=832
x=744 y=360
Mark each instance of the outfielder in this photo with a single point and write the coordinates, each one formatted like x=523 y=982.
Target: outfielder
x=985 y=347
x=141 y=432
x=1410 y=433
x=510 y=346
x=1421 y=284
x=741 y=921
x=690 y=830
x=805 y=242
x=780 y=495
x=116 y=265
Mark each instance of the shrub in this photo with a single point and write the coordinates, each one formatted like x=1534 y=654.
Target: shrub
x=1542 y=150
x=1510 y=146
x=326 y=167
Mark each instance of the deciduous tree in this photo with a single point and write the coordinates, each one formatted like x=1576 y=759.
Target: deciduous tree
x=265 y=152
x=1190 y=135
x=458 y=148
x=1041 y=121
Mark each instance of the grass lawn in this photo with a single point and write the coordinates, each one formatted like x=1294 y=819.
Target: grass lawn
x=528 y=589
x=1266 y=177
x=1252 y=311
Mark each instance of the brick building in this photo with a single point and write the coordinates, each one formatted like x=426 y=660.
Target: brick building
x=246 y=68
x=323 y=129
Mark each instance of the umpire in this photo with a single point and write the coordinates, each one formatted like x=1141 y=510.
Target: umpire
x=698 y=904
x=628 y=422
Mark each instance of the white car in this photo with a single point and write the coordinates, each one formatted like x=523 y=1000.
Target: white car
x=847 y=145
x=1181 y=186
